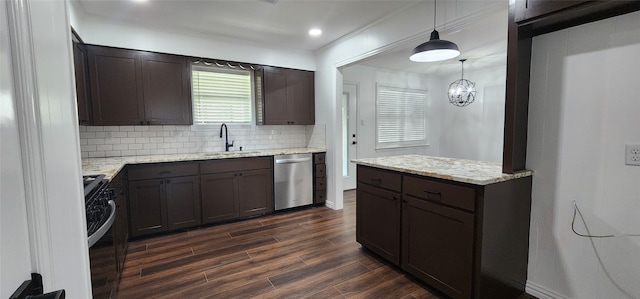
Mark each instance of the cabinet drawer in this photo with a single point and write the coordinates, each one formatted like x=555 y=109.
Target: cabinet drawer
x=161 y=170
x=448 y=194
x=379 y=178
x=319 y=196
x=319 y=158
x=237 y=164
x=320 y=170
x=320 y=184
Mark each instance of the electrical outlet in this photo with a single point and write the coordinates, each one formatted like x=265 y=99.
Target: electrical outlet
x=632 y=154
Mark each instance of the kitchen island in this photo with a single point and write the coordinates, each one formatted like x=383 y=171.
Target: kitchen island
x=461 y=226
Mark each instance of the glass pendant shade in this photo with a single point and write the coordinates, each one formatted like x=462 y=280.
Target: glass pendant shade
x=435 y=49
x=462 y=92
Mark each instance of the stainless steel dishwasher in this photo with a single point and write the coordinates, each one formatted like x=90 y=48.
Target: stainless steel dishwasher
x=292 y=180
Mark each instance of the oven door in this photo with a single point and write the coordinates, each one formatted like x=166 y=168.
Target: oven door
x=102 y=256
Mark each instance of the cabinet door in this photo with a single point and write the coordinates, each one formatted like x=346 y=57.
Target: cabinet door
x=218 y=197
x=437 y=246
x=275 y=97
x=255 y=192
x=378 y=221
x=167 y=89
x=148 y=208
x=183 y=202
x=121 y=224
x=116 y=86
x=82 y=85
x=529 y=9
x=300 y=96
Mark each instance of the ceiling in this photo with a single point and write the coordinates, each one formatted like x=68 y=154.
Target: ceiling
x=285 y=24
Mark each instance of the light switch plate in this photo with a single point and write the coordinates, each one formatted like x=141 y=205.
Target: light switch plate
x=632 y=154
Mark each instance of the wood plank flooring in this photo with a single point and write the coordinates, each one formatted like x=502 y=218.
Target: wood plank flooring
x=309 y=253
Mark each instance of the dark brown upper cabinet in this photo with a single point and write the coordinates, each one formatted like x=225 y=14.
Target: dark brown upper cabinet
x=530 y=9
x=82 y=84
x=130 y=87
x=287 y=97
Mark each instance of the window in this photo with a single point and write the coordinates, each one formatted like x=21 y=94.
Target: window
x=400 y=117
x=221 y=95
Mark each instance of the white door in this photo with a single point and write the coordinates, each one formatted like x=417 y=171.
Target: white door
x=349 y=135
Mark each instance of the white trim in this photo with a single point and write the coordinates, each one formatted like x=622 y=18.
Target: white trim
x=542 y=292
x=330 y=204
x=32 y=150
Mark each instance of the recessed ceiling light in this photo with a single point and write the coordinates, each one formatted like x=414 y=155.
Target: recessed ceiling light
x=139 y=0
x=315 y=32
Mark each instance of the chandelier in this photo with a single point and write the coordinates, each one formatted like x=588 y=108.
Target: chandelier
x=462 y=92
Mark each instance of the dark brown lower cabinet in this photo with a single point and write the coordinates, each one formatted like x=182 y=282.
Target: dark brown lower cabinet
x=466 y=240
x=437 y=245
x=160 y=205
x=378 y=221
x=236 y=188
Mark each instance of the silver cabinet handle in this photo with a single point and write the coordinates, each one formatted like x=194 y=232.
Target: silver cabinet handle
x=284 y=161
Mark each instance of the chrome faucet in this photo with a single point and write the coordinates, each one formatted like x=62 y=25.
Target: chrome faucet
x=227 y=145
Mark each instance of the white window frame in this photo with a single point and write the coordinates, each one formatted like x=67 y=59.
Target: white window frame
x=400 y=144
x=207 y=126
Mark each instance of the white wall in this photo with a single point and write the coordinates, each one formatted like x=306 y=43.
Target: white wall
x=15 y=256
x=100 y=31
x=584 y=108
x=476 y=131
x=366 y=78
x=405 y=26
x=473 y=132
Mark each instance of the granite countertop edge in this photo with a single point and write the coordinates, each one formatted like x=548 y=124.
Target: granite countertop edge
x=465 y=171
x=111 y=166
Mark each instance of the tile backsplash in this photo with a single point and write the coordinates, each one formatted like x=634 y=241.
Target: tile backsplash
x=117 y=141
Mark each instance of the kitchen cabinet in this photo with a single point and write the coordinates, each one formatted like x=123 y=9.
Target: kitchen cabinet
x=437 y=240
x=130 y=87
x=163 y=197
x=466 y=240
x=319 y=178
x=82 y=84
x=529 y=9
x=236 y=188
x=287 y=97
x=121 y=224
x=378 y=212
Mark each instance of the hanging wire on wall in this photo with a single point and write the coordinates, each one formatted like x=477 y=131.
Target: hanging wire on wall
x=576 y=212
x=462 y=92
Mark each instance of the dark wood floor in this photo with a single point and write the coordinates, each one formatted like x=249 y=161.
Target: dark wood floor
x=308 y=253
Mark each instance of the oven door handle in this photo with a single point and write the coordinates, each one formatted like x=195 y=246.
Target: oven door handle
x=105 y=227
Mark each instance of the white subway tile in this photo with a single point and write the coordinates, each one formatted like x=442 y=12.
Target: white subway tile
x=164 y=145
x=83 y=142
x=88 y=148
x=120 y=147
x=176 y=145
x=135 y=146
x=127 y=140
x=104 y=147
x=169 y=128
x=141 y=128
x=87 y=134
x=189 y=144
x=148 y=134
x=119 y=134
x=128 y=153
x=143 y=152
x=111 y=128
x=156 y=140
x=82 y=128
x=97 y=154
x=113 y=154
x=112 y=141
x=84 y=155
x=126 y=129
x=142 y=140
x=155 y=128
x=169 y=151
x=95 y=141
x=95 y=129
x=149 y=146
x=183 y=128
x=158 y=151
x=134 y=134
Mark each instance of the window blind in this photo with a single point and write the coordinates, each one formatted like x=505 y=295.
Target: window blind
x=400 y=117
x=221 y=96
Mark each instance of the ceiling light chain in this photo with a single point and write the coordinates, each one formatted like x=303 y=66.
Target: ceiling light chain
x=462 y=92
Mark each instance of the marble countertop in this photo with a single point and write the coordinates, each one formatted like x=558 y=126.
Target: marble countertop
x=466 y=171
x=111 y=166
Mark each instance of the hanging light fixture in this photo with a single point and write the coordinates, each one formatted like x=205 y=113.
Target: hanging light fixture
x=435 y=49
x=462 y=92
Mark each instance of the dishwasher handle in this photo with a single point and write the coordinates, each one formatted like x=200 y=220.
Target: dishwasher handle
x=286 y=161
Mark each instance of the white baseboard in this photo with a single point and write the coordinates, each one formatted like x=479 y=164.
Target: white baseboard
x=542 y=292
x=330 y=204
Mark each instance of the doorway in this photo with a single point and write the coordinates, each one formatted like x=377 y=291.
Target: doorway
x=349 y=134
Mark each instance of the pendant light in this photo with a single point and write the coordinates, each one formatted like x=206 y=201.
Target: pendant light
x=462 y=92
x=435 y=49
